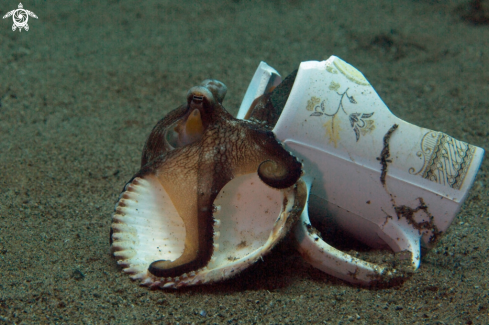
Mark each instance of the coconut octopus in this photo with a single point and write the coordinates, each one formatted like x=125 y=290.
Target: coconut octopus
x=189 y=215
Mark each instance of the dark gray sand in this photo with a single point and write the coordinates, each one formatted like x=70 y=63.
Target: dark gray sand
x=81 y=90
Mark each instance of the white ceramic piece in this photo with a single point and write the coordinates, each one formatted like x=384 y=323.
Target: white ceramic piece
x=382 y=179
x=331 y=260
x=265 y=79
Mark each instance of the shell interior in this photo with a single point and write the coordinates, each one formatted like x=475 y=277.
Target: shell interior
x=250 y=218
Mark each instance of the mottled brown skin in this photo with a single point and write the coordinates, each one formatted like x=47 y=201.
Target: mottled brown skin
x=196 y=172
x=156 y=145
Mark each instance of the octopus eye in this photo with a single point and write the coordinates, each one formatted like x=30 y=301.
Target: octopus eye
x=198 y=98
x=198 y=95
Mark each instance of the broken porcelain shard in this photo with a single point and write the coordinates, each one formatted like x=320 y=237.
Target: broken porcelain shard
x=213 y=195
x=383 y=180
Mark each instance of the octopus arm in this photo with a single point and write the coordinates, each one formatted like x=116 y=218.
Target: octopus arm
x=278 y=167
x=193 y=183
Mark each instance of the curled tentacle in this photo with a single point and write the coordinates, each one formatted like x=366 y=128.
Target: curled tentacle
x=278 y=174
x=279 y=168
x=272 y=173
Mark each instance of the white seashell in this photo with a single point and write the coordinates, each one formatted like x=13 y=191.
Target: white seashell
x=147 y=227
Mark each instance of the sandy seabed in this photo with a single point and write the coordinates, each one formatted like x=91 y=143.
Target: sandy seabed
x=81 y=90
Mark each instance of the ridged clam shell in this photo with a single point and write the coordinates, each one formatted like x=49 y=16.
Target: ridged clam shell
x=250 y=218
